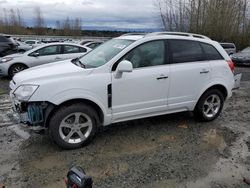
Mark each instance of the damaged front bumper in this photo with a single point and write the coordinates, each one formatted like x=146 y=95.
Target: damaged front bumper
x=31 y=113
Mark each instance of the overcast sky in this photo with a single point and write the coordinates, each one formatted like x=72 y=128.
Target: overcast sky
x=115 y=14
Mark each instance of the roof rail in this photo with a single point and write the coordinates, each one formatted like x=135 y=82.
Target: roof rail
x=178 y=34
x=129 y=34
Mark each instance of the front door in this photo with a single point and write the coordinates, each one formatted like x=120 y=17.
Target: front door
x=144 y=91
x=48 y=54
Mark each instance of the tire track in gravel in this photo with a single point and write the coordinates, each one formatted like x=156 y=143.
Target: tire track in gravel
x=6 y=113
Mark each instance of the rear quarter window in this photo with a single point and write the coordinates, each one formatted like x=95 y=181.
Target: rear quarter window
x=211 y=53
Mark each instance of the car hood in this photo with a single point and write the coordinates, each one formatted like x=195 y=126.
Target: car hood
x=16 y=55
x=49 y=71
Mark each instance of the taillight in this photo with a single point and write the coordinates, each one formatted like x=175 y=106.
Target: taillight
x=231 y=64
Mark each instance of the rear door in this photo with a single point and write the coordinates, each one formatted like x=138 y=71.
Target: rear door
x=189 y=73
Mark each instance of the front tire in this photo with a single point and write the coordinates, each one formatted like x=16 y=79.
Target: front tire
x=16 y=68
x=73 y=126
x=209 y=105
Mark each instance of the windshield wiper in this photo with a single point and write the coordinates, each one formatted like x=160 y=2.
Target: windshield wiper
x=83 y=65
x=77 y=61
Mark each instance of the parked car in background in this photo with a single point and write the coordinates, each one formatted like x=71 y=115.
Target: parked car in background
x=230 y=48
x=48 y=53
x=93 y=45
x=126 y=78
x=242 y=57
x=33 y=43
x=22 y=47
x=7 y=45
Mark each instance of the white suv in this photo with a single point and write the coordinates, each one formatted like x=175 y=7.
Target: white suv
x=126 y=78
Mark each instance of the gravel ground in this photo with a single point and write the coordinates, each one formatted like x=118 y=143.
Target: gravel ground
x=164 y=151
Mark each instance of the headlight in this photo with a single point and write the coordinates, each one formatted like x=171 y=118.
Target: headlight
x=6 y=59
x=24 y=92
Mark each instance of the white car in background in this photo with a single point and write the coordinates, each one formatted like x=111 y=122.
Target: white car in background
x=33 y=43
x=48 y=53
x=22 y=47
x=126 y=78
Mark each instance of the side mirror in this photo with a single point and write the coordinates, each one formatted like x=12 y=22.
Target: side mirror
x=36 y=54
x=123 y=66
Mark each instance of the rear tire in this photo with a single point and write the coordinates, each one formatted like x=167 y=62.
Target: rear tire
x=16 y=68
x=73 y=126
x=209 y=105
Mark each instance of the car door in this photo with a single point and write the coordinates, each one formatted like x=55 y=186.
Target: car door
x=71 y=51
x=189 y=72
x=143 y=92
x=48 y=54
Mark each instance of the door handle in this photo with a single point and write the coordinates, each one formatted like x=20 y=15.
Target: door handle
x=57 y=58
x=162 y=77
x=204 y=72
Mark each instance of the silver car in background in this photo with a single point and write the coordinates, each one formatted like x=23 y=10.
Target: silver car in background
x=48 y=53
x=230 y=48
x=242 y=57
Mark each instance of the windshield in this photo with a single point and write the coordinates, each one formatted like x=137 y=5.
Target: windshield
x=104 y=53
x=246 y=50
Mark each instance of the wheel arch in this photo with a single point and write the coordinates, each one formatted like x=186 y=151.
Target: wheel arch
x=95 y=106
x=219 y=87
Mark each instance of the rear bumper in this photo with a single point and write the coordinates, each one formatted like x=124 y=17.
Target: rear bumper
x=237 y=80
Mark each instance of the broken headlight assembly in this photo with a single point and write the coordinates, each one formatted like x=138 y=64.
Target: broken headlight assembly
x=24 y=92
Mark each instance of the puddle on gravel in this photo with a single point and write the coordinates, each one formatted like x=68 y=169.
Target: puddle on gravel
x=229 y=171
x=214 y=139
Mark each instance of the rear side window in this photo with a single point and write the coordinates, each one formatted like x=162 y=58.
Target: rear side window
x=185 y=51
x=83 y=49
x=210 y=52
x=69 y=49
x=50 y=50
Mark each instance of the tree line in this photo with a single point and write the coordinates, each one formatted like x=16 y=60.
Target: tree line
x=222 y=20
x=12 y=22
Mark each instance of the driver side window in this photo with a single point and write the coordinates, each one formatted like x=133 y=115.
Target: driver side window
x=50 y=50
x=148 y=54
